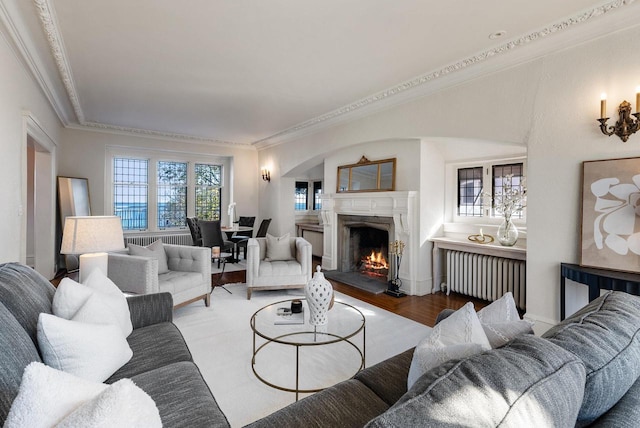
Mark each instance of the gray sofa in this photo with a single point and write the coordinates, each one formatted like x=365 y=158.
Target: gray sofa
x=161 y=364
x=582 y=372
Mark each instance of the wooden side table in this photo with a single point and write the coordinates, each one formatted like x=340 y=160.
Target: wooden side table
x=596 y=280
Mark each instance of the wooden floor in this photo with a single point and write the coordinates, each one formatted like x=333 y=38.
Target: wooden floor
x=422 y=309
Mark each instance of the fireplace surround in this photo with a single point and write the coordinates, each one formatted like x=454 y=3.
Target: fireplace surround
x=396 y=212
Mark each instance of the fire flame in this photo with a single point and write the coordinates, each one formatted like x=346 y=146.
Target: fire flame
x=375 y=262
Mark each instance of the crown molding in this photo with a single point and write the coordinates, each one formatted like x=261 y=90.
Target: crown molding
x=50 y=27
x=465 y=69
x=147 y=133
x=444 y=77
x=25 y=52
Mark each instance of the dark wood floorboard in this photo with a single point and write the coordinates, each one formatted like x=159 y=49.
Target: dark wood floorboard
x=422 y=309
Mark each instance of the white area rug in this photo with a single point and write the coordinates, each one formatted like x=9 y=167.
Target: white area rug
x=221 y=342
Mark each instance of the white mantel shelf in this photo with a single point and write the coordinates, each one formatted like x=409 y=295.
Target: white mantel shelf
x=517 y=252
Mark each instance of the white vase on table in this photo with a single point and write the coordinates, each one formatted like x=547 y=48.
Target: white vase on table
x=319 y=295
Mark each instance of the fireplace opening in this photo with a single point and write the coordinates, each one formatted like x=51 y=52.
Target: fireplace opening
x=363 y=252
x=369 y=249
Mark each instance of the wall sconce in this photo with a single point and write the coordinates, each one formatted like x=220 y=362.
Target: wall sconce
x=625 y=125
x=266 y=175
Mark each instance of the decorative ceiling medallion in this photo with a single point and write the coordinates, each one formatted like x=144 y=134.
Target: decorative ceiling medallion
x=49 y=25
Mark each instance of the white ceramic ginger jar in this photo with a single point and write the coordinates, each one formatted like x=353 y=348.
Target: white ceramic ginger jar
x=319 y=294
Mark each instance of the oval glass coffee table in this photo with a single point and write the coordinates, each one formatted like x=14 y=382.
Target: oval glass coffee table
x=345 y=322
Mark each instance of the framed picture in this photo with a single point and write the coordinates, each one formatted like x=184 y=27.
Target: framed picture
x=611 y=214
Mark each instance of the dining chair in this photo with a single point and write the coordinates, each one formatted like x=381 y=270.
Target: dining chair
x=194 y=228
x=262 y=232
x=242 y=236
x=212 y=236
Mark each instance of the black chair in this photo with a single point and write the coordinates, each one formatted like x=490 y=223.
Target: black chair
x=262 y=232
x=243 y=236
x=212 y=236
x=194 y=228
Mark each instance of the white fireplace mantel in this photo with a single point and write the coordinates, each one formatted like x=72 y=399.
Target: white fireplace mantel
x=402 y=206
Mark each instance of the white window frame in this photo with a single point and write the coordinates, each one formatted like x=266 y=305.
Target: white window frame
x=154 y=156
x=486 y=218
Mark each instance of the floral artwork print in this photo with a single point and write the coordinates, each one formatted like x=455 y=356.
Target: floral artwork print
x=611 y=205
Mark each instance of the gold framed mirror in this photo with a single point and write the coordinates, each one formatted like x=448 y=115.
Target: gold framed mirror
x=367 y=176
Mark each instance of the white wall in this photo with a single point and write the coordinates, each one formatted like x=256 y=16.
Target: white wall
x=550 y=105
x=19 y=93
x=84 y=154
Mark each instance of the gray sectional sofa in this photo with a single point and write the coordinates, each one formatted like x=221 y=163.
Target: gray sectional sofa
x=161 y=364
x=582 y=372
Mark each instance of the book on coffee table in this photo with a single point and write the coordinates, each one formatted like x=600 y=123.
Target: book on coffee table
x=285 y=316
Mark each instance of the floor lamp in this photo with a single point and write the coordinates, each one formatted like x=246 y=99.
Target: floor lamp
x=91 y=237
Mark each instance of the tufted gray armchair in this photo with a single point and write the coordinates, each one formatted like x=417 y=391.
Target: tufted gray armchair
x=188 y=279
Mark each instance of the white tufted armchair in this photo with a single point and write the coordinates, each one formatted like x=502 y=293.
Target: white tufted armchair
x=263 y=274
x=188 y=279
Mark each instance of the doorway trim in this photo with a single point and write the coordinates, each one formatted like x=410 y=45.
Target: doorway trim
x=44 y=204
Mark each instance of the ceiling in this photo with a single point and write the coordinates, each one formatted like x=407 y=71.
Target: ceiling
x=254 y=72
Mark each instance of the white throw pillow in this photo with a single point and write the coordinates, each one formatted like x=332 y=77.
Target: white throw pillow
x=501 y=321
x=458 y=336
x=155 y=250
x=90 y=351
x=50 y=397
x=122 y=404
x=112 y=297
x=278 y=248
x=69 y=297
x=47 y=395
x=74 y=301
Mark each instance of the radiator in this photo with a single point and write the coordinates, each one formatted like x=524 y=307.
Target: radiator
x=181 y=239
x=486 y=277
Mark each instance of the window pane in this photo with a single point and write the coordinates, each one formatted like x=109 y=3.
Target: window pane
x=317 y=193
x=208 y=182
x=470 y=192
x=172 y=194
x=130 y=192
x=507 y=179
x=302 y=192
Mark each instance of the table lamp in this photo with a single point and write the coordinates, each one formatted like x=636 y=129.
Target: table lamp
x=91 y=237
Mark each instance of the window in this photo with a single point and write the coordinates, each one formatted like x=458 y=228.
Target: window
x=208 y=180
x=301 y=196
x=172 y=194
x=317 y=195
x=165 y=190
x=131 y=192
x=470 y=192
x=510 y=176
x=475 y=198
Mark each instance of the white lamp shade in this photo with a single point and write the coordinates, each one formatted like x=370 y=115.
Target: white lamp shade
x=92 y=234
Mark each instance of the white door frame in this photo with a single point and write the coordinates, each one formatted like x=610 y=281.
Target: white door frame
x=44 y=204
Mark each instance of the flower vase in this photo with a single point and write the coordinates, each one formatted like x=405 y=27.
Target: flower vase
x=507 y=233
x=319 y=295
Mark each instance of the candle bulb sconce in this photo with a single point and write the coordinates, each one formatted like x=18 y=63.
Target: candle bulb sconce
x=625 y=126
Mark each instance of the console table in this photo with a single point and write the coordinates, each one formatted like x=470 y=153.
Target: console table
x=596 y=280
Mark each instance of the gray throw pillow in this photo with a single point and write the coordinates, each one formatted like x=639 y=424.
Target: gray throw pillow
x=155 y=250
x=529 y=382
x=605 y=335
x=278 y=248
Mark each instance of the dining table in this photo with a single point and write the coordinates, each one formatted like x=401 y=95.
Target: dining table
x=230 y=230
